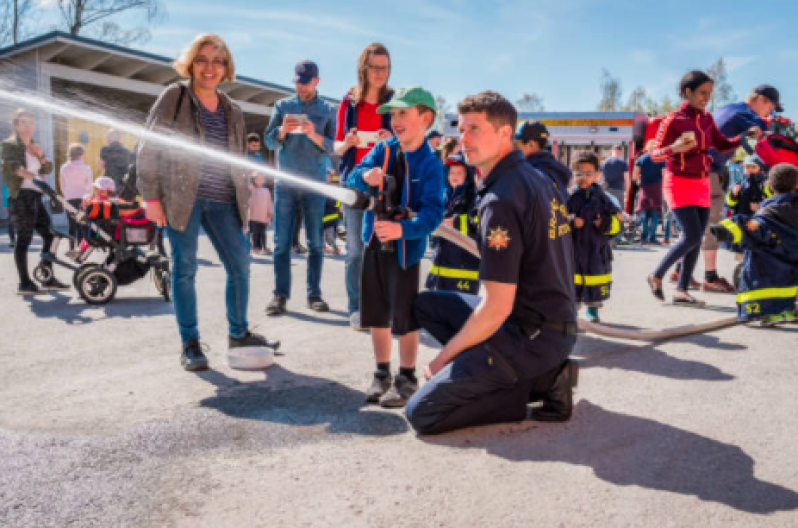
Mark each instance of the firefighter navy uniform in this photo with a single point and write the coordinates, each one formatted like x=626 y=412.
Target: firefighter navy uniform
x=524 y=240
x=769 y=278
x=453 y=268
x=592 y=251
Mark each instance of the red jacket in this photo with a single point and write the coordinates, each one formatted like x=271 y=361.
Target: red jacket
x=694 y=163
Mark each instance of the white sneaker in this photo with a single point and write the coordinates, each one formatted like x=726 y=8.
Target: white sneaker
x=354 y=322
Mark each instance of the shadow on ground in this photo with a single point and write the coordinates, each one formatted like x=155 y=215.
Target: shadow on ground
x=296 y=399
x=627 y=450
x=71 y=309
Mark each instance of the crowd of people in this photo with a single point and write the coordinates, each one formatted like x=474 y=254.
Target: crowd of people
x=545 y=231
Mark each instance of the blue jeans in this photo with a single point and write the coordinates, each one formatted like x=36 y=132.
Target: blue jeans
x=354 y=257
x=225 y=231
x=286 y=200
x=693 y=221
x=649 y=220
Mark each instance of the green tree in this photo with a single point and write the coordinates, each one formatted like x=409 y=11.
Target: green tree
x=611 y=92
x=637 y=101
x=723 y=92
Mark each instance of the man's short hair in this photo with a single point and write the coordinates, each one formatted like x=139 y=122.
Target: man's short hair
x=113 y=135
x=619 y=148
x=253 y=136
x=586 y=156
x=75 y=151
x=783 y=178
x=498 y=110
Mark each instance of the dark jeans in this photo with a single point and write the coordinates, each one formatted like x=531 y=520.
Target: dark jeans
x=12 y=233
x=223 y=225
x=74 y=227
x=492 y=382
x=298 y=214
x=258 y=236
x=692 y=221
x=649 y=221
x=29 y=215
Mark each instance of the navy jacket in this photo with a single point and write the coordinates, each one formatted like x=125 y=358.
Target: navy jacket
x=453 y=268
x=769 y=277
x=546 y=163
x=753 y=190
x=732 y=120
x=592 y=252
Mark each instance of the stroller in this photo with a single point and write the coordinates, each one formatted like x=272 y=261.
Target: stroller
x=125 y=240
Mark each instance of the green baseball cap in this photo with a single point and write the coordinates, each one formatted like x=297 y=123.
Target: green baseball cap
x=409 y=97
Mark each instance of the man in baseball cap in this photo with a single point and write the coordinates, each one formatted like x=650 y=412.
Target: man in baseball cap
x=532 y=138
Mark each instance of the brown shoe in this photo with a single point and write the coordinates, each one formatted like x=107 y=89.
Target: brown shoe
x=674 y=278
x=719 y=286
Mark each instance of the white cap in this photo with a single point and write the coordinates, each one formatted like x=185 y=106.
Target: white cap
x=105 y=184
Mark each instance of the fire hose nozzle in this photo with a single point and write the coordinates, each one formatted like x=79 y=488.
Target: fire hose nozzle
x=363 y=201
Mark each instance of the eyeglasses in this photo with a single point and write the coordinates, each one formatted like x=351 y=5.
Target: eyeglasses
x=216 y=63
x=584 y=174
x=379 y=69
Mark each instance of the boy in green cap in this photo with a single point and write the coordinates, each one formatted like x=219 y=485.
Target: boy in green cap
x=389 y=281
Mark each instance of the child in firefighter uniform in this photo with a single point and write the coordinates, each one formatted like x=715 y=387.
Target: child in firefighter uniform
x=744 y=198
x=453 y=268
x=769 y=277
x=595 y=220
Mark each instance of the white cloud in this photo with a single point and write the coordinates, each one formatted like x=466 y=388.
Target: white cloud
x=735 y=62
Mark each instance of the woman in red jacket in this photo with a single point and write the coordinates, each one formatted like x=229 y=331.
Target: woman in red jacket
x=683 y=142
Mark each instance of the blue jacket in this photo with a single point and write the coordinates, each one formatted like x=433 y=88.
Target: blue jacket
x=769 y=277
x=592 y=252
x=347 y=162
x=733 y=120
x=297 y=153
x=422 y=193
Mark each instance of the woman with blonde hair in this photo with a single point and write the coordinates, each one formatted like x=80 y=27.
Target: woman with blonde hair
x=24 y=161
x=358 y=115
x=185 y=192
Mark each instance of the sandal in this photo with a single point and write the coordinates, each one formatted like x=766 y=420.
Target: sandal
x=689 y=301
x=657 y=291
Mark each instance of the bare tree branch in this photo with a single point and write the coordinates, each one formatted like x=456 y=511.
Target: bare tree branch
x=530 y=103
x=611 y=92
x=98 y=15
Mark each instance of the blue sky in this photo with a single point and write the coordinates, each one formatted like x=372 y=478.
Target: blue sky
x=555 y=48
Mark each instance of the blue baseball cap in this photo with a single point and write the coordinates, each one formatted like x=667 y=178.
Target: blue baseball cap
x=305 y=71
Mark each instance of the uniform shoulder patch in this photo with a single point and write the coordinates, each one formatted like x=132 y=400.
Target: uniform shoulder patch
x=498 y=238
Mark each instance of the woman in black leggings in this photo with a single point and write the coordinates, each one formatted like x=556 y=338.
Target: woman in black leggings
x=683 y=141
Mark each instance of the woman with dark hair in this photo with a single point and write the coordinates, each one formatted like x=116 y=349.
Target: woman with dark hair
x=683 y=141
x=359 y=128
x=24 y=161
x=184 y=193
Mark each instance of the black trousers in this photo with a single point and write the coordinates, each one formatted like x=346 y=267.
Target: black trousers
x=492 y=382
x=257 y=234
x=30 y=215
x=74 y=227
x=12 y=232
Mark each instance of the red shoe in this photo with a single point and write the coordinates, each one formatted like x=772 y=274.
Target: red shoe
x=674 y=278
x=719 y=286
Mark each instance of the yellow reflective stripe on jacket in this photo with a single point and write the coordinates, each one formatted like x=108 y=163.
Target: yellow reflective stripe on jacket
x=734 y=229
x=767 y=191
x=329 y=218
x=731 y=202
x=454 y=273
x=464 y=224
x=592 y=280
x=615 y=227
x=768 y=293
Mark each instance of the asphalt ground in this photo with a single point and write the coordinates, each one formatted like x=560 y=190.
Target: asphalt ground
x=99 y=425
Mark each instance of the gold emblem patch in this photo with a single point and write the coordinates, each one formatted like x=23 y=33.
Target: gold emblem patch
x=498 y=239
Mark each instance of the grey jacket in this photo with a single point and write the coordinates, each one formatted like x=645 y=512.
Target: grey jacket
x=172 y=177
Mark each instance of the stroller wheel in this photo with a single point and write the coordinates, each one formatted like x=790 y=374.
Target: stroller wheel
x=81 y=269
x=43 y=273
x=96 y=285
x=163 y=283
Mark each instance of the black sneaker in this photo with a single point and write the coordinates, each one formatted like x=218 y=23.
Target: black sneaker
x=398 y=395
x=276 y=306
x=193 y=358
x=318 y=304
x=54 y=285
x=29 y=289
x=379 y=386
x=252 y=340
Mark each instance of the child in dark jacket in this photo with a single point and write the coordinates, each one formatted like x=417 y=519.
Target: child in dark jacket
x=769 y=277
x=595 y=221
x=453 y=268
x=744 y=198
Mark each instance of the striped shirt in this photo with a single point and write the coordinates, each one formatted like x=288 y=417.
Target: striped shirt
x=216 y=182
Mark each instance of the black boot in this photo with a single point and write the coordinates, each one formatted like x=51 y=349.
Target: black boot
x=558 y=403
x=193 y=358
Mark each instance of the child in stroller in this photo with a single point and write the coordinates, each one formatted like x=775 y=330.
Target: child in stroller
x=118 y=228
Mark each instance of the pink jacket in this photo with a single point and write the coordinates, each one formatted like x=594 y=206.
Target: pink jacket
x=75 y=180
x=260 y=205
